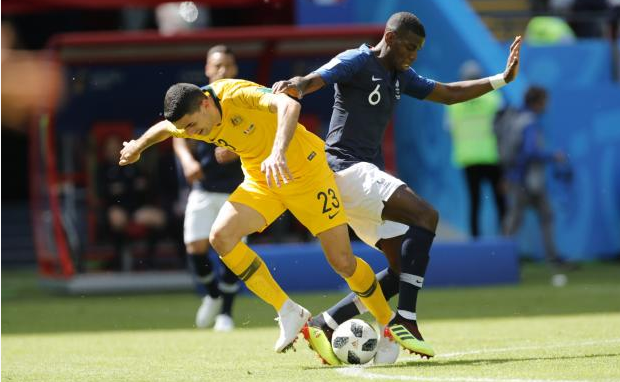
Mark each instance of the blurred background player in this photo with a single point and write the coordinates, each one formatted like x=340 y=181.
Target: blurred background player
x=526 y=172
x=285 y=167
x=382 y=210
x=212 y=173
x=474 y=146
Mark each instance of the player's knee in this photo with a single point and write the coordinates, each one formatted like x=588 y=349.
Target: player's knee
x=428 y=217
x=222 y=241
x=343 y=263
x=198 y=247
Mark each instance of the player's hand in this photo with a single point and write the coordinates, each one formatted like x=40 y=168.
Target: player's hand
x=275 y=168
x=512 y=65
x=192 y=171
x=287 y=87
x=130 y=153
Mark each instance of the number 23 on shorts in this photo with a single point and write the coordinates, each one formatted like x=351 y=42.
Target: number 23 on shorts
x=330 y=202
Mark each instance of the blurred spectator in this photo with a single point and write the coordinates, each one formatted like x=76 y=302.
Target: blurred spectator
x=128 y=200
x=587 y=21
x=474 y=146
x=526 y=172
x=548 y=30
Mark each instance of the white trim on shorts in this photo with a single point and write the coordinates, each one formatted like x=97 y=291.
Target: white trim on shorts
x=200 y=213
x=363 y=189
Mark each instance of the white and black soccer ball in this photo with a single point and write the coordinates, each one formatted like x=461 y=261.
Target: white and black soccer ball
x=355 y=342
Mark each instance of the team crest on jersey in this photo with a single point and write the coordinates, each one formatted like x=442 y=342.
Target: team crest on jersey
x=397 y=89
x=236 y=120
x=249 y=130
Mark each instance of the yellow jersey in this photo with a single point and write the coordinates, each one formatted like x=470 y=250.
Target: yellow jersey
x=248 y=128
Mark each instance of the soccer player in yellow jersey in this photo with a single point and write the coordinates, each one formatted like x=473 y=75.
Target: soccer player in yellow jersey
x=285 y=167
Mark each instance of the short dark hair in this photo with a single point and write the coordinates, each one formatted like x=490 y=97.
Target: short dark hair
x=402 y=21
x=220 y=49
x=534 y=94
x=182 y=99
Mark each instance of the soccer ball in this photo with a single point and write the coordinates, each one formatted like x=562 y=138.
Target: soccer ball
x=355 y=342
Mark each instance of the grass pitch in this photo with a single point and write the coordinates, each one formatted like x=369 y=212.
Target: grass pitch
x=531 y=332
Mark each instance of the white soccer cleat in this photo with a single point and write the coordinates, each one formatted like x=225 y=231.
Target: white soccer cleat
x=291 y=318
x=209 y=308
x=387 y=350
x=223 y=323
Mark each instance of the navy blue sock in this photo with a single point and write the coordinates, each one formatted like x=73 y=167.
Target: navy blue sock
x=346 y=308
x=229 y=286
x=203 y=269
x=415 y=257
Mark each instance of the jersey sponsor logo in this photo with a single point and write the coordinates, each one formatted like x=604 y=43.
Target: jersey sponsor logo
x=374 y=97
x=264 y=90
x=373 y=78
x=311 y=156
x=236 y=120
x=333 y=215
x=397 y=90
x=249 y=130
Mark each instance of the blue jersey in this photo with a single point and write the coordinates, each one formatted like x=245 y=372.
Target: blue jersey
x=222 y=178
x=366 y=94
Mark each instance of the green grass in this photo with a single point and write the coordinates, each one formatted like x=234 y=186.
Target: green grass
x=519 y=333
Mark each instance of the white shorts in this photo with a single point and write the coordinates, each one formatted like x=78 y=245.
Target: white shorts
x=364 y=188
x=200 y=213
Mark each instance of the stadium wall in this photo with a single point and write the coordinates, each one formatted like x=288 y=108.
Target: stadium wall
x=583 y=119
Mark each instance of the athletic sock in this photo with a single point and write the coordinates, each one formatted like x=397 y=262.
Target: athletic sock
x=228 y=286
x=246 y=264
x=415 y=257
x=205 y=274
x=350 y=306
x=364 y=283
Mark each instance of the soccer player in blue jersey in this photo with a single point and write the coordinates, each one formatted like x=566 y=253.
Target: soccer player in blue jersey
x=382 y=210
x=213 y=173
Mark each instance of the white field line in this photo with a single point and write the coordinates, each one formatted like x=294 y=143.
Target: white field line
x=362 y=372
x=529 y=347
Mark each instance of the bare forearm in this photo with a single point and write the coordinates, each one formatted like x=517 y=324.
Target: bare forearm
x=288 y=115
x=464 y=90
x=181 y=150
x=155 y=134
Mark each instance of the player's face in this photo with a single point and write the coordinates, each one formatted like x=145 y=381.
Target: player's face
x=200 y=122
x=220 y=65
x=404 y=49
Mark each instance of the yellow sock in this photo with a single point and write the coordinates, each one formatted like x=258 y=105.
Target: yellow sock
x=250 y=268
x=364 y=283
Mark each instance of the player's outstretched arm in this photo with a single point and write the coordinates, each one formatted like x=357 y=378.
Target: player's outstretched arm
x=131 y=150
x=299 y=86
x=461 y=91
x=274 y=166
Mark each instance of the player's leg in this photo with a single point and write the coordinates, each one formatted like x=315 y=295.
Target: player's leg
x=351 y=306
x=199 y=217
x=474 y=180
x=496 y=178
x=405 y=207
x=321 y=210
x=238 y=218
x=229 y=287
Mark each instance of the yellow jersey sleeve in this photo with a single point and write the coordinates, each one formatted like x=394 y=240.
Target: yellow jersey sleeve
x=249 y=95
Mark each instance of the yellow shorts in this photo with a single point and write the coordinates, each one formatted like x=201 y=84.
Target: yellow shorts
x=315 y=200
